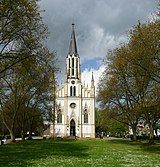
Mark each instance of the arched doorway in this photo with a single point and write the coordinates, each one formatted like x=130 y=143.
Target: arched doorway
x=72 y=128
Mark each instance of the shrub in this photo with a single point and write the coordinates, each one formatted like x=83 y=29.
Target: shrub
x=1 y=137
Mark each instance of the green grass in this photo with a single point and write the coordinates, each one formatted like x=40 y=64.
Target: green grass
x=79 y=153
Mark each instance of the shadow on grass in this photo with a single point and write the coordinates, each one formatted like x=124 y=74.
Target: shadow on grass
x=20 y=154
x=143 y=145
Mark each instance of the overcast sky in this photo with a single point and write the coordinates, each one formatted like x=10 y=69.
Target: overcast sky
x=99 y=25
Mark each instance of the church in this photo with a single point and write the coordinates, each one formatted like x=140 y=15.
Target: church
x=75 y=102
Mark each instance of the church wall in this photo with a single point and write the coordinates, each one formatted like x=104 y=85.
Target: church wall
x=76 y=110
x=88 y=131
x=59 y=130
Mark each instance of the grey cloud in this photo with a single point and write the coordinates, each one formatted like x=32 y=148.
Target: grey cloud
x=100 y=24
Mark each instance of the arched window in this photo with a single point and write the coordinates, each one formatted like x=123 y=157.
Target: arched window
x=71 y=91
x=69 y=63
x=72 y=71
x=74 y=91
x=76 y=63
x=59 y=117
x=72 y=62
x=85 y=117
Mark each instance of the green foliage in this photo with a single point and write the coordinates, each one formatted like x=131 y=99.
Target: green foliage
x=22 y=31
x=80 y=153
x=2 y=137
x=26 y=67
x=105 y=122
x=130 y=85
x=118 y=129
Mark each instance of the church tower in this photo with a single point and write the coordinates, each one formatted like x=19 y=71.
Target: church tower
x=75 y=103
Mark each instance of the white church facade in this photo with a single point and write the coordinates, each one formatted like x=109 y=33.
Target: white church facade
x=75 y=102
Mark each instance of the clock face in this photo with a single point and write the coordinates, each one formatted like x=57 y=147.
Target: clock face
x=73 y=105
x=73 y=82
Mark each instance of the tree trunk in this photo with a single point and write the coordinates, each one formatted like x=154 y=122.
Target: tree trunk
x=134 y=129
x=13 y=139
x=10 y=129
x=22 y=135
x=151 y=135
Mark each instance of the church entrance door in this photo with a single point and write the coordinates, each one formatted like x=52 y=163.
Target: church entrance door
x=72 y=128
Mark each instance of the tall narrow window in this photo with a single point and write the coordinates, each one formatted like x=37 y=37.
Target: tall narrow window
x=72 y=62
x=77 y=72
x=72 y=71
x=74 y=90
x=76 y=63
x=71 y=91
x=69 y=63
x=85 y=117
x=59 y=118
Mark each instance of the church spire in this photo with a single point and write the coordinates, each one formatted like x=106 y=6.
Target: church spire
x=73 y=46
x=73 y=60
x=92 y=86
x=92 y=81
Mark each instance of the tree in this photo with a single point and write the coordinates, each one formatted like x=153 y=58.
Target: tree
x=100 y=123
x=106 y=123
x=145 y=54
x=131 y=78
x=119 y=89
x=26 y=89
x=145 y=48
x=29 y=120
x=22 y=31
x=27 y=71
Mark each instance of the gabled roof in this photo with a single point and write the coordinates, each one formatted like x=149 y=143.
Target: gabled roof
x=73 y=45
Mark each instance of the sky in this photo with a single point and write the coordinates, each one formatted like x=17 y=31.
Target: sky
x=100 y=25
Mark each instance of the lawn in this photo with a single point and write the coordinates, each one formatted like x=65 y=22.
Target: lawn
x=79 y=153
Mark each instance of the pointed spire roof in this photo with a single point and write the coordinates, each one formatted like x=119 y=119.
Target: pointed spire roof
x=73 y=46
x=92 y=77
x=92 y=81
